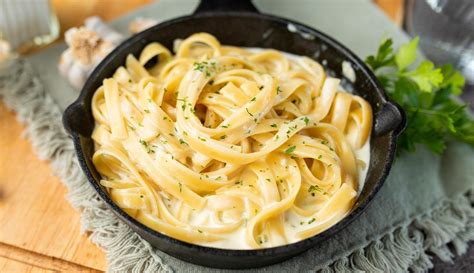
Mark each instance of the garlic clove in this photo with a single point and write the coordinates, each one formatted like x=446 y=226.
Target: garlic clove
x=107 y=33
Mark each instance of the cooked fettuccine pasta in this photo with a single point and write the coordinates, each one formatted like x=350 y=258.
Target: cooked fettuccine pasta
x=229 y=147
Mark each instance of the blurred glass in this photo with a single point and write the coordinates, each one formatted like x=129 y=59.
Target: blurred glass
x=28 y=24
x=446 y=30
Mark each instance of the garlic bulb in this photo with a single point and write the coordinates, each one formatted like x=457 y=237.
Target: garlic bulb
x=141 y=23
x=105 y=32
x=87 y=46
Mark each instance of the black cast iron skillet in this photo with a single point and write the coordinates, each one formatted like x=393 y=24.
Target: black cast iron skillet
x=239 y=23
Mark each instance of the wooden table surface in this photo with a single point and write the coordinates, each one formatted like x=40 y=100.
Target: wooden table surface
x=39 y=230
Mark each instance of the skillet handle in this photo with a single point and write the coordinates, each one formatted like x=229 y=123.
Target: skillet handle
x=76 y=119
x=225 y=5
x=390 y=118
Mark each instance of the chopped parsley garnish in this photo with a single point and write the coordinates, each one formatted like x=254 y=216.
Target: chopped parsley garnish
x=246 y=109
x=254 y=99
x=311 y=221
x=146 y=111
x=290 y=150
x=147 y=146
x=273 y=125
x=306 y=120
x=315 y=188
x=225 y=126
x=223 y=136
x=279 y=90
x=205 y=67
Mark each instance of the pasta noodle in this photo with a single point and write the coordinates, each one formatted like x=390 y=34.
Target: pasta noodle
x=229 y=147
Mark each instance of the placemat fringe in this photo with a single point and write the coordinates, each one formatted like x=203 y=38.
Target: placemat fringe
x=444 y=231
x=23 y=92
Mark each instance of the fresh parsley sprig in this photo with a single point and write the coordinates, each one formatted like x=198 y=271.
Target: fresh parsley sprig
x=427 y=93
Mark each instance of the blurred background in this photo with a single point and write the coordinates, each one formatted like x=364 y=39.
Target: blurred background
x=445 y=27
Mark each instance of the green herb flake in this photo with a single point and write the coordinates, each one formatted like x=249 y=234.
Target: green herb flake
x=290 y=150
x=279 y=90
x=306 y=120
x=246 y=109
x=147 y=146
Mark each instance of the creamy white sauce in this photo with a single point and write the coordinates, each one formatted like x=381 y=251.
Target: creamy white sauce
x=294 y=223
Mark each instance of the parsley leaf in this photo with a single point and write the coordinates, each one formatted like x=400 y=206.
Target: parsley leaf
x=383 y=57
x=406 y=54
x=426 y=76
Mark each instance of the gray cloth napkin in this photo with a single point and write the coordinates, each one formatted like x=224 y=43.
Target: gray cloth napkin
x=423 y=206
